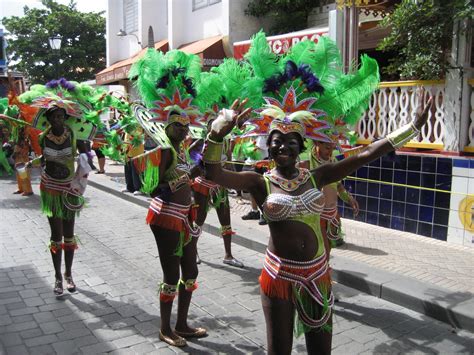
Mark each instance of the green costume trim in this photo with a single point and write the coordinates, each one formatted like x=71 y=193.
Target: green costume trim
x=150 y=178
x=220 y=198
x=345 y=196
x=4 y=163
x=313 y=222
x=308 y=305
x=53 y=206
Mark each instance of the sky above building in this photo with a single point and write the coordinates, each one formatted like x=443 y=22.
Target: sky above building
x=15 y=7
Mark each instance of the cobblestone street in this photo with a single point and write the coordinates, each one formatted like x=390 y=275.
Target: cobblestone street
x=116 y=309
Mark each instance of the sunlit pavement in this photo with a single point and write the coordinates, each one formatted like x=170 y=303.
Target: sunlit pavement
x=116 y=309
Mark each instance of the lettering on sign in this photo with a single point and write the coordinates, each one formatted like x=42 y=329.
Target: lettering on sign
x=279 y=44
x=212 y=62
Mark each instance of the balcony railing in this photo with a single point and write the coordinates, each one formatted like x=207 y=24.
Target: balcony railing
x=470 y=146
x=394 y=104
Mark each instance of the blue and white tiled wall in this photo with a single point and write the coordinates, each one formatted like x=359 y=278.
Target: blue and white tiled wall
x=433 y=214
x=461 y=226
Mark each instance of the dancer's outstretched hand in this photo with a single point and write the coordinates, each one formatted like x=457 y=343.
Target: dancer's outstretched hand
x=423 y=110
x=228 y=119
x=355 y=206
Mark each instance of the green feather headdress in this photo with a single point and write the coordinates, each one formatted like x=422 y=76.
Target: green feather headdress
x=308 y=78
x=81 y=101
x=166 y=83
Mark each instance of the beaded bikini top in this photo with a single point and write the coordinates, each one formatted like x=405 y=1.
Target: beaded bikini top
x=279 y=207
x=60 y=150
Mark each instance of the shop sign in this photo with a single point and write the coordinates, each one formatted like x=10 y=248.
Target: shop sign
x=282 y=43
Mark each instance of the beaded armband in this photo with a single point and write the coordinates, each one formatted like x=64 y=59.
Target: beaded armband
x=403 y=135
x=212 y=151
x=345 y=196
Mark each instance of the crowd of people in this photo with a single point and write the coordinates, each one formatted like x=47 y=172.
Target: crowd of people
x=268 y=127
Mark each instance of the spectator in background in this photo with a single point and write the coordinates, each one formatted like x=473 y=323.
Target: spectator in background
x=97 y=144
x=21 y=153
x=132 y=179
x=250 y=165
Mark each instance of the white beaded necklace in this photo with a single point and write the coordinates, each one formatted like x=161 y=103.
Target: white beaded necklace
x=289 y=184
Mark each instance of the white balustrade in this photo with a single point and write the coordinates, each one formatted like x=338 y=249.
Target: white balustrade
x=471 y=125
x=394 y=104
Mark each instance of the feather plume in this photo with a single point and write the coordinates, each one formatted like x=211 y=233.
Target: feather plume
x=303 y=52
x=264 y=61
x=301 y=115
x=233 y=76
x=273 y=111
x=253 y=90
x=209 y=90
x=146 y=71
x=326 y=62
x=352 y=92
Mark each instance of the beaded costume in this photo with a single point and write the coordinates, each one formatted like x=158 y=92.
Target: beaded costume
x=168 y=93
x=165 y=83
x=299 y=281
x=330 y=219
x=302 y=92
x=57 y=175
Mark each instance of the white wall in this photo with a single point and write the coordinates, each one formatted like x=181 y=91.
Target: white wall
x=176 y=21
x=153 y=13
x=186 y=25
x=119 y=48
x=241 y=26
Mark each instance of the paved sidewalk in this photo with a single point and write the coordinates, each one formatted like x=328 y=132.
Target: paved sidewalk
x=417 y=272
x=116 y=309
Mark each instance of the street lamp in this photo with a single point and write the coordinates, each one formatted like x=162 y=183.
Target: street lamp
x=123 y=33
x=55 y=44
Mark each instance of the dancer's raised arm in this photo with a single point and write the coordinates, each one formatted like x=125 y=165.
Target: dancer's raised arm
x=330 y=173
x=213 y=150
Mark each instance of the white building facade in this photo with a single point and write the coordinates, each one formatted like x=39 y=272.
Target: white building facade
x=176 y=24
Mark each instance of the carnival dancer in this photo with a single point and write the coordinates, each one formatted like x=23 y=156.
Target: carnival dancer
x=8 y=125
x=212 y=95
x=59 y=202
x=208 y=194
x=68 y=113
x=21 y=152
x=322 y=153
x=296 y=273
x=98 y=143
x=166 y=84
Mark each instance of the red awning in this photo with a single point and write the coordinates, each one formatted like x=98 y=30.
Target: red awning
x=119 y=70
x=281 y=43
x=210 y=50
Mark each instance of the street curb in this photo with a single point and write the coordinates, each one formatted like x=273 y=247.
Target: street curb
x=453 y=308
